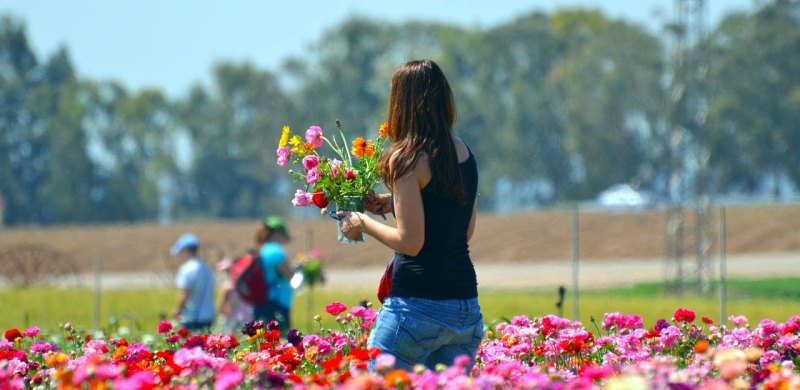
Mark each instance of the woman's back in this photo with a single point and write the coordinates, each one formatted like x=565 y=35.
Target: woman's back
x=442 y=269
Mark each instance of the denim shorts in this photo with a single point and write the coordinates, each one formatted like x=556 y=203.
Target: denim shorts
x=429 y=332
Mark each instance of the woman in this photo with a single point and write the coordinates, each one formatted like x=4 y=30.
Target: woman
x=432 y=314
x=277 y=272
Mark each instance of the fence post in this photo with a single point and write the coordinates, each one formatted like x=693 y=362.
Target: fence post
x=723 y=294
x=575 y=263
x=98 y=264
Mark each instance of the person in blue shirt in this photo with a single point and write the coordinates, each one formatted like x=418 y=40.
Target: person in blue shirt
x=195 y=279
x=270 y=237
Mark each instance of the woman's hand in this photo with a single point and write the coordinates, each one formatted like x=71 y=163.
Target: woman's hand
x=352 y=224
x=378 y=203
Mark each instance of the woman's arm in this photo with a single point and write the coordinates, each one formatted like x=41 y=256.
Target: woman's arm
x=409 y=234
x=471 y=228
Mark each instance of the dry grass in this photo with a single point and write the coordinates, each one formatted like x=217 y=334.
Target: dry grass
x=529 y=237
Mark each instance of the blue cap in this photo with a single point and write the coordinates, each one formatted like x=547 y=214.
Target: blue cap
x=186 y=240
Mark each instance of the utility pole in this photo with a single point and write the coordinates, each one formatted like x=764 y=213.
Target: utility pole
x=687 y=117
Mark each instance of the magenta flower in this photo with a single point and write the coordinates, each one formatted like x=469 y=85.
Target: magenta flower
x=32 y=331
x=314 y=136
x=228 y=376
x=312 y=176
x=164 y=326
x=335 y=308
x=283 y=155
x=310 y=161
x=301 y=198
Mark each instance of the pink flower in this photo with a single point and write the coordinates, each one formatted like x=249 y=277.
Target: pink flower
x=738 y=320
x=312 y=175
x=283 y=155
x=335 y=308
x=385 y=361
x=314 y=136
x=32 y=331
x=683 y=315
x=228 y=376
x=349 y=175
x=357 y=311
x=164 y=326
x=310 y=161
x=301 y=198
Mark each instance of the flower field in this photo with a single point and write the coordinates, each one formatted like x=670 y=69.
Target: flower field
x=616 y=352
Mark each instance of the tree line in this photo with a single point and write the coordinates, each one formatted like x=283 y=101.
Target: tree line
x=556 y=107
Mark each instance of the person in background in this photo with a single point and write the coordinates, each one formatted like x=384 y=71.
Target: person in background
x=278 y=270
x=431 y=315
x=195 y=279
x=236 y=312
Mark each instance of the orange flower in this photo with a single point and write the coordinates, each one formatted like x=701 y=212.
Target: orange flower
x=362 y=147
x=383 y=131
x=700 y=346
x=396 y=378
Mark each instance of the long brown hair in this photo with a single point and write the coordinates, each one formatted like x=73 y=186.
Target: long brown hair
x=422 y=112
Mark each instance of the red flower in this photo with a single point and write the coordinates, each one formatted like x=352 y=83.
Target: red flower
x=164 y=326
x=708 y=320
x=335 y=308
x=683 y=315
x=13 y=334
x=318 y=198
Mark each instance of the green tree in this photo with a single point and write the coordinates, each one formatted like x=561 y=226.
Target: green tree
x=754 y=104
x=234 y=133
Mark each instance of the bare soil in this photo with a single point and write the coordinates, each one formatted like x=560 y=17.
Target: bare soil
x=522 y=238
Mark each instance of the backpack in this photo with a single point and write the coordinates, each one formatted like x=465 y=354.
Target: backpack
x=247 y=277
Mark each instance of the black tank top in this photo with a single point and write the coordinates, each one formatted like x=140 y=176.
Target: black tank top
x=442 y=269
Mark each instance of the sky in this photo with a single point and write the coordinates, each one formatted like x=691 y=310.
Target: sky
x=172 y=44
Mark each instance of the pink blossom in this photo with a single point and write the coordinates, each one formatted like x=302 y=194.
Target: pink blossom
x=228 y=376
x=349 y=175
x=32 y=331
x=314 y=136
x=358 y=311
x=738 y=320
x=283 y=155
x=385 y=361
x=335 y=308
x=310 y=161
x=301 y=198
x=95 y=346
x=40 y=348
x=312 y=176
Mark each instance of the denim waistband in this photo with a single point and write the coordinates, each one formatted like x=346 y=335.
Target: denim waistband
x=463 y=309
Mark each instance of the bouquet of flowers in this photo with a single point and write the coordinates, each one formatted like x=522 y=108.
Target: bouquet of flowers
x=343 y=177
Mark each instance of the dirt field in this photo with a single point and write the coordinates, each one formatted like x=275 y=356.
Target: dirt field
x=529 y=238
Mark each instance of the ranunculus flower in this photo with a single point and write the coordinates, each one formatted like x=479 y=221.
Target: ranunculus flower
x=312 y=176
x=13 y=334
x=301 y=198
x=738 y=320
x=283 y=155
x=32 y=331
x=683 y=315
x=335 y=308
x=164 y=326
x=310 y=161
x=314 y=136
x=708 y=320
x=349 y=175
x=318 y=198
